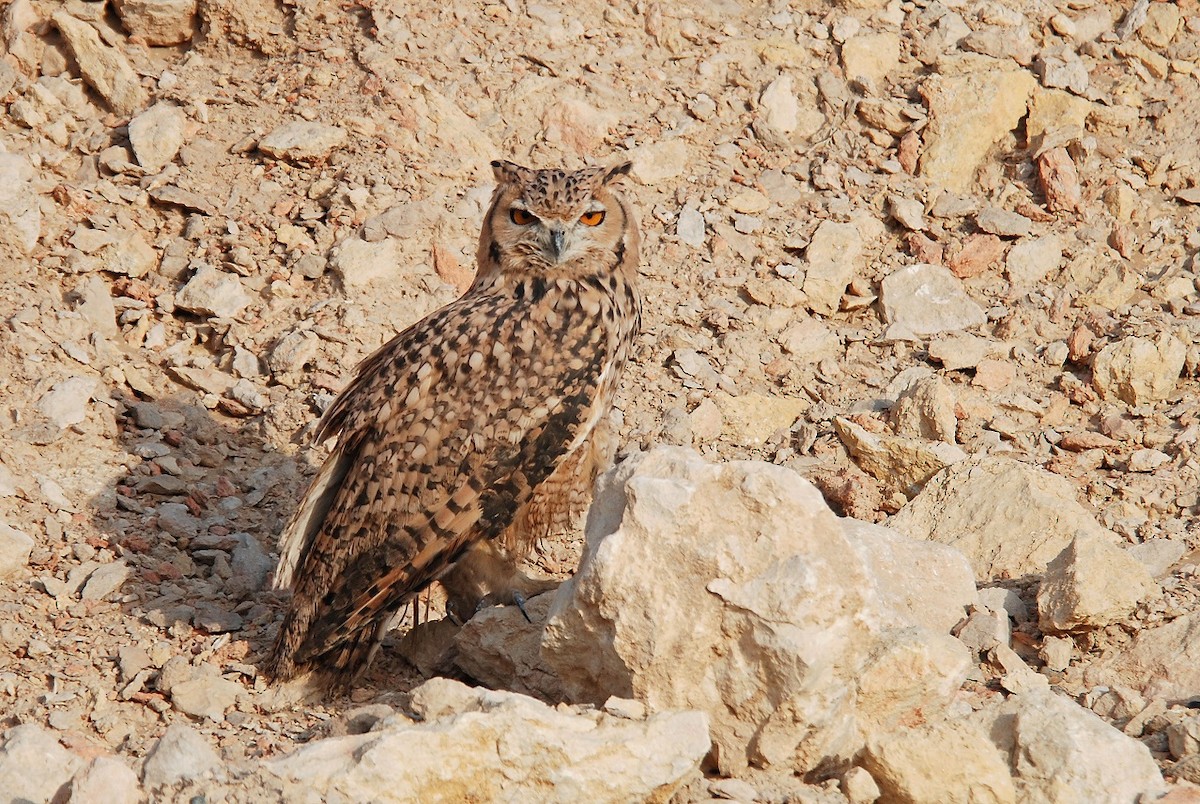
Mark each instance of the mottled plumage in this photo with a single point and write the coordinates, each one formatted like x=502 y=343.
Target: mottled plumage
x=474 y=431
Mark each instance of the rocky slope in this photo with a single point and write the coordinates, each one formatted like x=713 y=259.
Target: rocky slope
x=936 y=257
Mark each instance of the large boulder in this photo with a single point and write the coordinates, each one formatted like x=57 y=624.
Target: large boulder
x=733 y=589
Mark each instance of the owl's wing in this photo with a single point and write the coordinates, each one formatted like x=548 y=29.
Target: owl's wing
x=442 y=439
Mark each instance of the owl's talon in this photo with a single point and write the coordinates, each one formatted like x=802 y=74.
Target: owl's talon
x=519 y=599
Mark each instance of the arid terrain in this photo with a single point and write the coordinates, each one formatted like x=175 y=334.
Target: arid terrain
x=938 y=258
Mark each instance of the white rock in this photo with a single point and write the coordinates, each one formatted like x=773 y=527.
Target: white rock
x=921 y=300
x=926 y=410
x=859 y=787
x=902 y=463
x=15 y=548
x=767 y=619
x=158 y=22
x=939 y=761
x=67 y=402
x=1139 y=370
x=872 y=57
x=106 y=779
x=360 y=263
x=908 y=212
x=1157 y=555
x=95 y=303
x=20 y=210
x=1004 y=601
x=499 y=647
x=212 y=292
x=302 y=141
x=1002 y=222
x=1032 y=260
x=962 y=351
x=1056 y=652
x=659 y=161
x=1092 y=584
x=206 y=694
x=689 y=228
x=293 y=351
x=504 y=747
x=832 y=259
x=1009 y=518
x=33 y=766
x=181 y=753
x=984 y=630
x=779 y=105
x=1161 y=662
x=157 y=135
x=104 y=68
x=130 y=255
x=107 y=579
x=1147 y=460
x=1058 y=751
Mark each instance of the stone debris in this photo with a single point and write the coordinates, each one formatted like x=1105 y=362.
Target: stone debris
x=1009 y=519
x=104 y=68
x=181 y=753
x=944 y=760
x=213 y=292
x=728 y=590
x=20 y=209
x=922 y=300
x=158 y=22
x=33 y=765
x=107 y=779
x=902 y=463
x=67 y=402
x=1139 y=370
x=15 y=548
x=156 y=135
x=501 y=746
x=302 y=141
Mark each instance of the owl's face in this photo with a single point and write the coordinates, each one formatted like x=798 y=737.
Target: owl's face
x=543 y=220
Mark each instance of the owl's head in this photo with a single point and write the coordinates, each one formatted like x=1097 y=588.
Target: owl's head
x=556 y=221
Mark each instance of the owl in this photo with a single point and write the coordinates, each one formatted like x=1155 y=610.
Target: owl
x=473 y=432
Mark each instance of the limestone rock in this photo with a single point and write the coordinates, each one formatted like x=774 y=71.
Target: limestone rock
x=970 y=112
x=1161 y=662
x=302 y=141
x=1091 y=584
x=833 y=259
x=500 y=648
x=15 y=548
x=928 y=583
x=872 y=57
x=659 y=161
x=360 y=263
x=107 y=579
x=213 y=292
x=20 y=211
x=921 y=300
x=1139 y=370
x=106 y=779
x=95 y=303
x=67 y=402
x=961 y=351
x=926 y=410
x=33 y=766
x=940 y=761
x=206 y=694
x=157 y=135
x=751 y=418
x=158 y=22
x=181 y=753
x=1031 y=261
x=902 y=463
x=1059 y=751
x=1010 y=519
x=104 y=68
x=501 y=746
x=768 y=619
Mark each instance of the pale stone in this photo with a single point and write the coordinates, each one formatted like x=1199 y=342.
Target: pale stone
x=106 y=779
x=105 y=580
x=940 y=761
x=962 y=351
x=15 y=548
x=20 y=210
x=659 y=161
x=1161 y=662
x=1056 y=652
x=859 y=786
x=1009 y=518
x=96 y=305
x=157 y=135
x=902 y=463
x=1147 y=460
x=780 y=107
x=1139 y=370
x=984 y=630
x=206 y=695
x=500 y=746
x=1031 y=261
x=689 y=228
x=810 y=340
x=1060 y=752
x=968 y=114
x=922 y=300
x=213 y=292
x=158 y=22
x=833 y=258
x=302 y=141
x=1157 y=555
x=33 y=766
x=1052 y=111
x=928 y=583
x=500 y=648
x=768 y=620
x=181 y=753
x=752 y=418
x=104 y=68
x=908 y=212
x=872 y=58
x=293 y=351
x=926 y=410
x=67 y=402
x=1002 y=222
x=361 y=264
x=129 y=255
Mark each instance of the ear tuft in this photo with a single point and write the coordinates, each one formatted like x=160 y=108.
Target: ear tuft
x=506 y=171
x=618 y=171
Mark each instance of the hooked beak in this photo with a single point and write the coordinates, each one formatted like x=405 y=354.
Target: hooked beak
x=557 y=242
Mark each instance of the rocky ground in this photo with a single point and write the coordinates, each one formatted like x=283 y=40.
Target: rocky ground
x=936 y=257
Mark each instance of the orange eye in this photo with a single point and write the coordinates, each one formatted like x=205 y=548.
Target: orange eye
x=594 y=218
x=521 y=217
